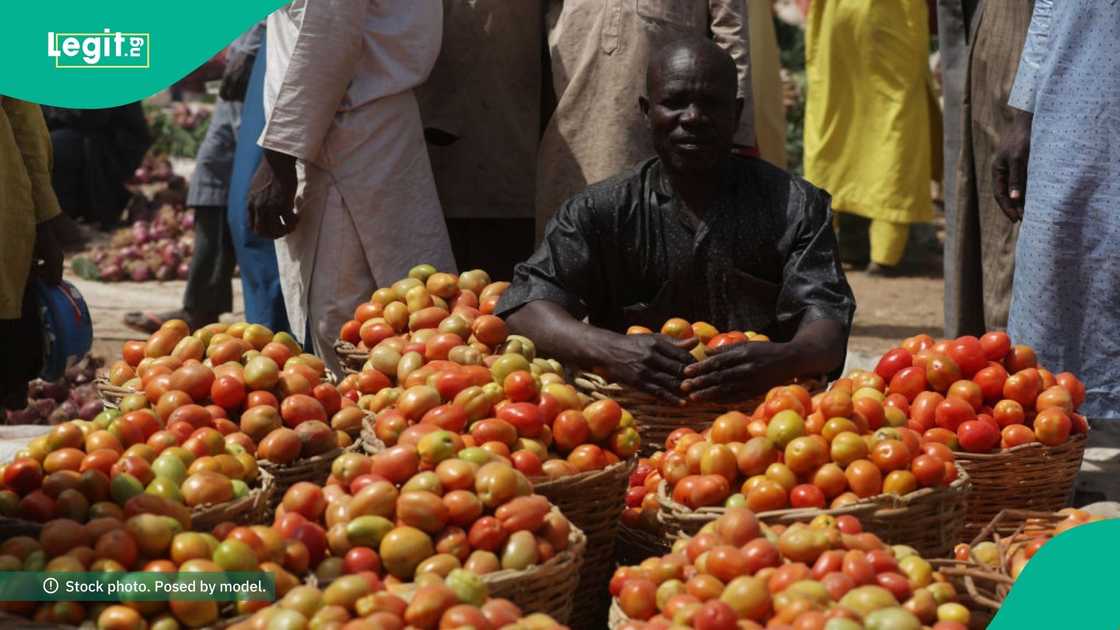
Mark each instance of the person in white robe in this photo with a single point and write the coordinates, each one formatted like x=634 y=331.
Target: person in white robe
x=343 y=131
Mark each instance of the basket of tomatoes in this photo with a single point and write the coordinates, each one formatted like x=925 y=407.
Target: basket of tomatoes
x=578 y=453
x=656 y=418
x=425 y=300
x=986 y=568
x=174 y=345
x=740 y=573
x=406 y=519
x=840 y=452
x=1012 y=424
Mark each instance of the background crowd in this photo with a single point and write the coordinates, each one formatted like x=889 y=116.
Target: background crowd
x=365 y=137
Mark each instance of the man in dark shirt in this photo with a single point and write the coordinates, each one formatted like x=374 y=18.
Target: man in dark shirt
x=695 y=233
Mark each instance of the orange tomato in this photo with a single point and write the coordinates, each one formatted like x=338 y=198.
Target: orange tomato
x=1013 y=435
x=864 y=478
x=1052 y=426
x=928 y=470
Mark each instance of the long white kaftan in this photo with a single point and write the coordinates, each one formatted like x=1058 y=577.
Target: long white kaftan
x=339 y=96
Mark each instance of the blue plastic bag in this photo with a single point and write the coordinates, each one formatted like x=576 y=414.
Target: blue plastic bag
x=67 y=327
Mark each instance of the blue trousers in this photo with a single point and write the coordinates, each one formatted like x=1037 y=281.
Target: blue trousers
x=260 y=277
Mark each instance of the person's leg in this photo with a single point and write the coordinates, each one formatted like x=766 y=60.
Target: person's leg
x=888 y=242
x=209 y=293
x=23 y=338
x=260 y=277
x=339 y=280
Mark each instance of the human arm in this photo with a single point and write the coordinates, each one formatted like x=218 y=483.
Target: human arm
x=814 y=310
x=730 y=28
x=570 y=277
x=1009 y=167
x=239 y=64
x=34 y=144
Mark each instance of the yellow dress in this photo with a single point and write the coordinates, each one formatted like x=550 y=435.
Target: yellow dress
x=868 y=110
x=26 y=196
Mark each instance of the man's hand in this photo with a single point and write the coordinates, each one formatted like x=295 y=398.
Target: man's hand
x=741 y=371
x=1009 y=169
x=47 y=258
x=235 y=81
x=654 y=363
x=272 y=196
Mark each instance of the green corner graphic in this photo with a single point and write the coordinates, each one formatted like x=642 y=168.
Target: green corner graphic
x=164 y=43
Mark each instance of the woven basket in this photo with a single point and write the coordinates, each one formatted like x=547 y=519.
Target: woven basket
x=313 y=469
x=111 y=395
x=656 y=418
x=983 y=584
x=371 y=444
x=592 y=501
x=615 y=617
x=635 y=544
x=1027 y=477
x=251 y=509
x=548 y=588
x=929 y=520
x=350 y=357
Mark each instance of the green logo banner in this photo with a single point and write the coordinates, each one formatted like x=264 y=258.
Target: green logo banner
x=140 y=586
x=77 y=53
x=1069 y=583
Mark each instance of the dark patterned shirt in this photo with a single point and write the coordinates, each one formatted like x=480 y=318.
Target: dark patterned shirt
x=624 y=252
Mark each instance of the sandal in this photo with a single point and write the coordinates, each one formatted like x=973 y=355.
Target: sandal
x=148 y=322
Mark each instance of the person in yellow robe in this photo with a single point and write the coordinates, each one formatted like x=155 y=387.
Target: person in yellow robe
x=28 y=208
x=868 y=116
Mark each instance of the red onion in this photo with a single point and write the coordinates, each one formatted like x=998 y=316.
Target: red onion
x=184 y=270
x=186 y=221
x=140 y=232
x=58 y=391
x=44 y=406
x=24 y=416
x=140 y=273
x=170 y=254
x=111 y=273
x=165 y=272
x=90 y=409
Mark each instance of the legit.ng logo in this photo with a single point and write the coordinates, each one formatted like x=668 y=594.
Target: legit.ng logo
x=107 y=49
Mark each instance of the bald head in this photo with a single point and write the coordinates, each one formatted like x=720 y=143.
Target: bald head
x=691 y=106
x=693 y=55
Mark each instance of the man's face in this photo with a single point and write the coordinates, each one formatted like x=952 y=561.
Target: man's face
x=692 y=113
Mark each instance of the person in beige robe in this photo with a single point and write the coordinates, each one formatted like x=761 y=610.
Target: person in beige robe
x=482 y=120
x=599 y=50
x=766 y=84
x=339 y=99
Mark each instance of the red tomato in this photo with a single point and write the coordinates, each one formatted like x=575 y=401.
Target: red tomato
x=806 y=495
x=1015 y=434
x=519 y=386
x=1008 y=412
x=996 y=345
x=526 y=417
x=1020 y=358
x=969 y=392
x=991 y=380
x=908 y=381
x=941 y=372
x=227 y=392
x=1023 y=387
x=977 y=437
x=923 y=409
x=898 y=401
x=893 y=361
x=896 y=583
x=1052 y=426
x=918 y=343
x=943 y=436
x=929 y=470
x=968 y=355
x=951 y=412
x=1074 y=386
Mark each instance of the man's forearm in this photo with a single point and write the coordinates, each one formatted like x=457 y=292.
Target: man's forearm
x=560 y=336
x=820 y=347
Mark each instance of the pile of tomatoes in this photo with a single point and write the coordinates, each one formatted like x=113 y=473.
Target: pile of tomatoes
x=708 y=337
x=739 y=574
x=980 y=395
x=148 y=542
x=459 y=370
x=795 y=451
x=89 y=469
x=384 y=515
x=458 y=601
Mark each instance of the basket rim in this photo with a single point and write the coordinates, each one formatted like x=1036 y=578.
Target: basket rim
x=560 y=482
x=597 y=384
x=1074 y=441
x=253 y=499
x=877 y=503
